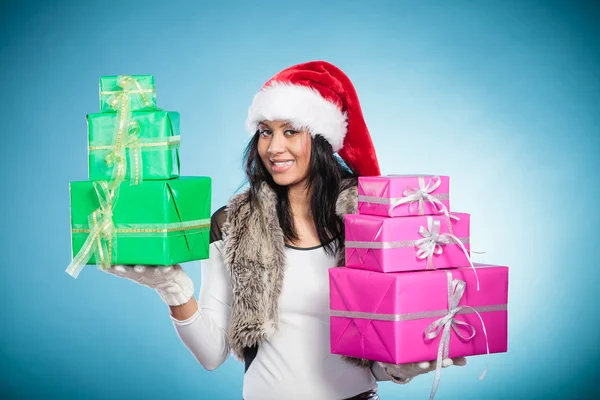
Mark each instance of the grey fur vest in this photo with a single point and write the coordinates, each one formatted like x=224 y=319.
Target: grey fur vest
x=255 y=258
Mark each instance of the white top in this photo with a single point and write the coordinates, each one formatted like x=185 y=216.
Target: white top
x=296 y=363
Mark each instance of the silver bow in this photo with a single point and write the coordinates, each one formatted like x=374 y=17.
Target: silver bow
x=432 y=241
x=456 y=289
x=422 y=194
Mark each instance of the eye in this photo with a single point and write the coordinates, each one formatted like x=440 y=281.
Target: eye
x=290 y=132
x=264 y=132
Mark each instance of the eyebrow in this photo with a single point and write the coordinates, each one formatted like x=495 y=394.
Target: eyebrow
x=281 y=126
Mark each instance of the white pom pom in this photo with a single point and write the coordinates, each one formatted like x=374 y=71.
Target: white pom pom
x=447 y=362
x=424 y=365
x=139 y=269
x=120 y=268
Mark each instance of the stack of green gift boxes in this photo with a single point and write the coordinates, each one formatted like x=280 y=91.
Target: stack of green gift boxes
x=135 y=208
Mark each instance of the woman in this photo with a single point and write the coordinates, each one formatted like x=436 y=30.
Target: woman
x=265 y=288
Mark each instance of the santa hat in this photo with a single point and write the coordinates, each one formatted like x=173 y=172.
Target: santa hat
x=319 y=97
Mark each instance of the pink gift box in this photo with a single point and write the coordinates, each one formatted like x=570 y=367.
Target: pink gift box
x=384 y=317
x=403 y=195
x=401 y=244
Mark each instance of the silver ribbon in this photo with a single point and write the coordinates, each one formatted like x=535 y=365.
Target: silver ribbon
x=456 y=290
x=444 y=324
x=400 y=244
x=415 y=195
x=415 y=315
x=429 y=245
x=432 y=242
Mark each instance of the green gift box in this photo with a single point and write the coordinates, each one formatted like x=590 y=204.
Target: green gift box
x=150 y=145
x=154 y=223
x=138 y=100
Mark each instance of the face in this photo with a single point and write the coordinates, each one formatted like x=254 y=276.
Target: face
x=284 y=151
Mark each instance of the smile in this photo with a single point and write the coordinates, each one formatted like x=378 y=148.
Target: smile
x=281 y=166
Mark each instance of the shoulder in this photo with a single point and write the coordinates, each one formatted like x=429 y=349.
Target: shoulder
x=220 y=219
x=217 y=222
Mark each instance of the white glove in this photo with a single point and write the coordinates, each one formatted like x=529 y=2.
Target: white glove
x=404 y=373
x=172 y=283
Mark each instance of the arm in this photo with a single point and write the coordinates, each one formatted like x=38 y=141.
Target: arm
x=184 y=311
x=202 y=326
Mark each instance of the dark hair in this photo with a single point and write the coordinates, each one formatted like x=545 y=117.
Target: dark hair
x=326 y=176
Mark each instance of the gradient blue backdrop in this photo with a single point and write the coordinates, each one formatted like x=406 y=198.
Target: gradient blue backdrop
x=502 y=96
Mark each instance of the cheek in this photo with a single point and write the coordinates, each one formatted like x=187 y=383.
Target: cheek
x=304 y=151
x=263 y=146
x=307 y=155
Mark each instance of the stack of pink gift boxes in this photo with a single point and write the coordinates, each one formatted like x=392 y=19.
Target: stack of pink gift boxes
x=409 y=291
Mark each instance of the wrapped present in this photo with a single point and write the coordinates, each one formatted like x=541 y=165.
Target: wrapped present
x=154 y=223
x=407 y=244
x=419 y=316
x=138 y=91
x=403 y=195
x=150 y=147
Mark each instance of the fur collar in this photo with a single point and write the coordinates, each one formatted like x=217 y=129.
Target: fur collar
x=255 y=256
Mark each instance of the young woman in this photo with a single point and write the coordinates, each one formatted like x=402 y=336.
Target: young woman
x=265 y=288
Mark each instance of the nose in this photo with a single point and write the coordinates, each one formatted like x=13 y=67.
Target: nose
x=277 y=145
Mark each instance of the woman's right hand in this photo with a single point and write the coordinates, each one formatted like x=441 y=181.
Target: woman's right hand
x=173 y=285
x=404 y=373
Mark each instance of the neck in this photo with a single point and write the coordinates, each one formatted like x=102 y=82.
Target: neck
x=299 y=197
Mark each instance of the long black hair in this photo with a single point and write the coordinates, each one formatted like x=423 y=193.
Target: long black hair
x=327 y=176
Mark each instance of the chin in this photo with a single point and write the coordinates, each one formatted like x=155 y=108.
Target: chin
x=288 y=178
x=283 y=180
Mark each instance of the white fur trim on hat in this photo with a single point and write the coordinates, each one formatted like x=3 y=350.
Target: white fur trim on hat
x=301 y=106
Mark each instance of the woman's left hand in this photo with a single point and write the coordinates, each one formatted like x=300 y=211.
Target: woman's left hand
x=404 y=373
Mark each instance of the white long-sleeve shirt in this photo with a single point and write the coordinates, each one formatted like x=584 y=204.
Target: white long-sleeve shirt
x=296 y=362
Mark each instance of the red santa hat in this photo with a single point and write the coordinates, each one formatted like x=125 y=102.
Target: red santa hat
x=319 y=97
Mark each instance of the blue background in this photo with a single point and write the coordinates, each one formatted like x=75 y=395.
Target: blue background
x=502 y=96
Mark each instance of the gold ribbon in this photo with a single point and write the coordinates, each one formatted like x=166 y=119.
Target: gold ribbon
x=130 y=86
x=100 y=241
x=126 y=132
x=160 y=229
x=111 y=92
x=171 y=142
x=131 y=142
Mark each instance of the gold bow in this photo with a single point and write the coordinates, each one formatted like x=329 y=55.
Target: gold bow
x=126 y=131
x=101 y=239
